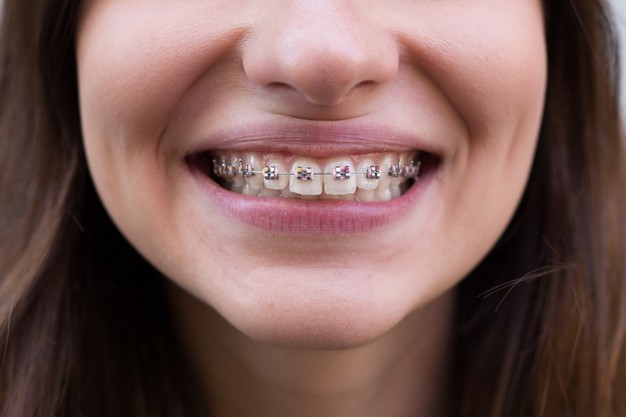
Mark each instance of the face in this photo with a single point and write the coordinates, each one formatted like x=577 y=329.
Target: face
x=189 y=108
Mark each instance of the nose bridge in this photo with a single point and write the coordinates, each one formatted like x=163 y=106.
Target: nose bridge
x=323 y=49
x=327 y=30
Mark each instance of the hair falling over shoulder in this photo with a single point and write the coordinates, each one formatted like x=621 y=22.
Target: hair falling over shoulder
x=83 y=325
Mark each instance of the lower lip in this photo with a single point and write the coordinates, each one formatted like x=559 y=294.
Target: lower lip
x=322 y=217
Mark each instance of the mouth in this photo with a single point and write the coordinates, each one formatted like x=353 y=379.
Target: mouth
x=365 y=177
x=312 y=180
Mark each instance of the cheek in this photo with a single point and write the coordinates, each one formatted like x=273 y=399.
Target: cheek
x=494 y=70
x=135 y=61
x=488 y=58
x=490 y=64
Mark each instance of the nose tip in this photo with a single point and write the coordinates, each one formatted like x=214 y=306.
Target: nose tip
x=323 y=59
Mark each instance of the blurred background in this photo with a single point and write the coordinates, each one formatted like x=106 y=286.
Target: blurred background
x=619 y=7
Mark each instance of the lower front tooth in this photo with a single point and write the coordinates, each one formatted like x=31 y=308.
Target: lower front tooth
x=342 y=197
x=266 y=192
x=285 y=193
x=365 y=195
x=304 y=186
x=383 y=194
x=325 y=196
x=236 y=187
x=347 y=197
x=249 y=190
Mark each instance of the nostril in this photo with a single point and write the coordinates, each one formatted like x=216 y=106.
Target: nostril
x=322 y=59
x=327 y=96
x=276 y=85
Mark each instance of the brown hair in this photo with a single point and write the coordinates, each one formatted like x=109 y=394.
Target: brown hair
x=84 y=326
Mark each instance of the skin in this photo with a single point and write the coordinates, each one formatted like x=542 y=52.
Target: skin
x=370 y=323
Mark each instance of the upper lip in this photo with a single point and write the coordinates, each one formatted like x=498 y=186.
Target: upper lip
x=319 y=139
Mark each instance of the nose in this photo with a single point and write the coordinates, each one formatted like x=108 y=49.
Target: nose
x=323 y=49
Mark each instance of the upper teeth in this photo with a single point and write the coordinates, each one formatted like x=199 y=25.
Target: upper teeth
x=270 y=172
x=339 y=176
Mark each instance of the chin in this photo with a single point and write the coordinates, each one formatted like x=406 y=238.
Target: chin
x=331 y=325
x=346 y=309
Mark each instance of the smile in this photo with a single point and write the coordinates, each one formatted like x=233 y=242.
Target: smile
x=317 y=180
x=371 y=177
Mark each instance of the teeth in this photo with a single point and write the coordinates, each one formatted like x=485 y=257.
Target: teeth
x=274 y=169
x=341 y=181
x=366 y=195
x=373 y=177
x=368 y=182
x=396 y=173
x=383 y=194
x=236 y=188
x=268 y=192
x=226 y=167
x=248 y=190
x=325 y=196
x=395 y=191
x=303 y=181
x=285 y=193
x=247 y=169
x=385 y=178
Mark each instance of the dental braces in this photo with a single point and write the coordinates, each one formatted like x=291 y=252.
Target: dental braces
x=223 y=169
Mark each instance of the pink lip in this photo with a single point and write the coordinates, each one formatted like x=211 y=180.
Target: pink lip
x=321 y=217
x=316 y=139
